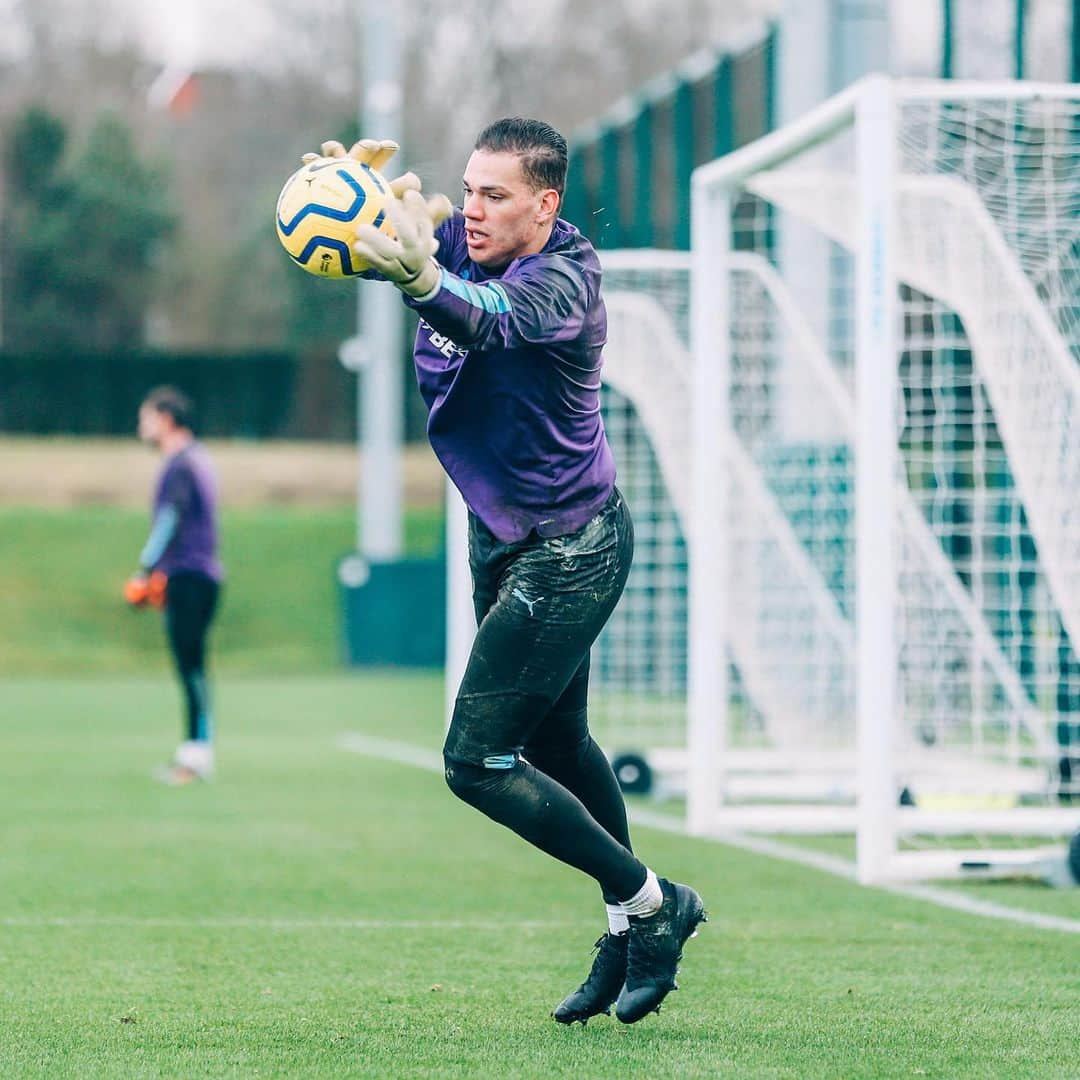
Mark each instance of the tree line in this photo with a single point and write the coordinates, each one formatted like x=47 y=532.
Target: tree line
x=121 y=225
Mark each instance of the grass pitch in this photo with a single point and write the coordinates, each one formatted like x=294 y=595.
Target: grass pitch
x=313 y=913
x=62 y=572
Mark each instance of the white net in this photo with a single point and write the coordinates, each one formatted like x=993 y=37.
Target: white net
x=986 y=532
x=638 y=689
x=988 y=529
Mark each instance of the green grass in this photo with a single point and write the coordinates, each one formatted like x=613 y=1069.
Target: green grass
x=314 y=913
x=61 y=575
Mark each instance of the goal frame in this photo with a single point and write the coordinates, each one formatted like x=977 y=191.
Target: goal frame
x=868 y=107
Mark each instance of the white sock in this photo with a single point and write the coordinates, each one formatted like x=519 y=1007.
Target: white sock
x=647 y=899
x=617 y=920
x=196 y=755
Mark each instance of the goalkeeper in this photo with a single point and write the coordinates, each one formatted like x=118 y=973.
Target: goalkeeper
x=181 y=551
x=508 y=355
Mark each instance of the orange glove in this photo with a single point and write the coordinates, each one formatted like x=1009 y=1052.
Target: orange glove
x=135 y=589
x=142 y=590
x=156 y=588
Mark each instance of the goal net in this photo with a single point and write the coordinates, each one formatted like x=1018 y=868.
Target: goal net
x=638 y=691
x=848 y=427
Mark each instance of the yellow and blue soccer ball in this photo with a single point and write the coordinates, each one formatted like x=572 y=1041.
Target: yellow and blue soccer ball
x=319 y=209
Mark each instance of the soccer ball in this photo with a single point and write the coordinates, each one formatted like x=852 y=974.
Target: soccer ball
x=319 y=209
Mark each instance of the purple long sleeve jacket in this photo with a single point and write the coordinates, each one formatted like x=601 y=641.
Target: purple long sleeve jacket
x=509 y=367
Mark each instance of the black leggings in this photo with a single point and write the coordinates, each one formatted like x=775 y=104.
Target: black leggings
x=519 y=747
x=190 y=602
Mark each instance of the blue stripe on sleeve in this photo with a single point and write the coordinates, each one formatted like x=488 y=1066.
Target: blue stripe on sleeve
x=490 y=297
x=162 y=532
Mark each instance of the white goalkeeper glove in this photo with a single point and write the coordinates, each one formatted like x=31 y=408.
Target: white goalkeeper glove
x=408 y=257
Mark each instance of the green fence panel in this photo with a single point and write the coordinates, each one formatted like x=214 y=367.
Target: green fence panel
x=1018 y=38
x=724 y=108
x=629 y=183
x=1074 y=58
x=609 y=212
x=641 y=230
x=682 y=151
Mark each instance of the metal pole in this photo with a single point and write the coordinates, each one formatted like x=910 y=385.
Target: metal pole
x=460 y=618
x=875 y=481
x=710 y=283
x=814 y=58
x=379 y=315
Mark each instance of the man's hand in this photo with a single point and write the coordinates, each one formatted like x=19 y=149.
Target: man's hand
x=374 y=153
x=135 y=590
x=408 y=257
x=146 y=590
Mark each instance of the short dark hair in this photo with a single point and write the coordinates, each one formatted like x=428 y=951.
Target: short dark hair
x=167 y=399
x=541 y=148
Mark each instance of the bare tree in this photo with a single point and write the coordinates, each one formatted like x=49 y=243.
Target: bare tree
x=465 y=64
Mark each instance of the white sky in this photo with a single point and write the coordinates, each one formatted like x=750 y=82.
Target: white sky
x=197 y=32
x=242 y=32
x=212 y=32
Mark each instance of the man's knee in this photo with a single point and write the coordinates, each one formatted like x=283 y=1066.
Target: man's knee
x=460 y=778
x=471 y=782
x=487 y=730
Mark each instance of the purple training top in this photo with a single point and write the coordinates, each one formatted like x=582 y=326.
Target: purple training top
x=188 y=485
x=509 y=367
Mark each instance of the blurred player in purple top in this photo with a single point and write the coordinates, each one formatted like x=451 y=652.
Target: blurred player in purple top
x=182 y=547
x=508 y=357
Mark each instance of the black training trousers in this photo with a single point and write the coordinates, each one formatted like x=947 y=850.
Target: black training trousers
x=190 y=602
x=519 y=747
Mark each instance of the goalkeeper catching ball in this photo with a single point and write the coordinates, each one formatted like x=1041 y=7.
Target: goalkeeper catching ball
x=508 y=355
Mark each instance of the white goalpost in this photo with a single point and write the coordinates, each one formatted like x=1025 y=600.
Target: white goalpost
x=847 y=424
x=867 y=427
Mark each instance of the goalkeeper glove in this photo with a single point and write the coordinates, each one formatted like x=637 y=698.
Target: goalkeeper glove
x=142 y=590
x=408 y=257
x=408 y=260
x=374 y=153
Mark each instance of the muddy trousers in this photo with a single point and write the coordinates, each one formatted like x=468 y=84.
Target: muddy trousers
x=519 y=747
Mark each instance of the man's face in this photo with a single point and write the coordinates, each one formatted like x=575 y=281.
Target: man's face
x=504 y=217
x=152 y=424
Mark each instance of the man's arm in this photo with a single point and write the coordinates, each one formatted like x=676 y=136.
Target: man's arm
x=148 y=586
x=545 y=303
x=175 y=501
x=162 y=532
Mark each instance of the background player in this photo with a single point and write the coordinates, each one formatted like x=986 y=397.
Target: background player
x=182 y=547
